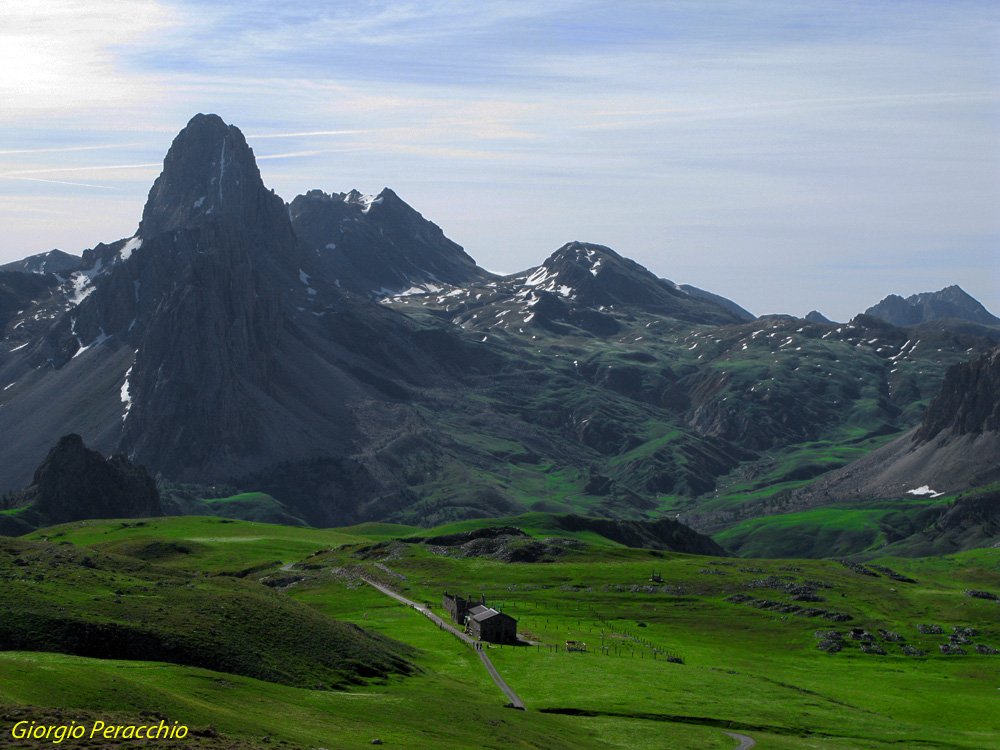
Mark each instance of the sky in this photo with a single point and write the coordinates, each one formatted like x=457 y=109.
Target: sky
x=787 y=155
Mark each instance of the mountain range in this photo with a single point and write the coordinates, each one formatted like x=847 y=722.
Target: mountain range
x=341 y=354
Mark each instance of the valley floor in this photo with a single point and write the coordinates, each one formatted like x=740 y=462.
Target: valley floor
x=710 y=650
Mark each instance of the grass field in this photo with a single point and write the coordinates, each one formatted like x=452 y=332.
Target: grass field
x=742 y=668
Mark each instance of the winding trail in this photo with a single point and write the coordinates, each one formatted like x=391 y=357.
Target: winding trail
x=507 y=690
x=745 y=742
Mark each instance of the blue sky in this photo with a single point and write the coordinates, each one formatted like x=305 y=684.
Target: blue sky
x=787 y=155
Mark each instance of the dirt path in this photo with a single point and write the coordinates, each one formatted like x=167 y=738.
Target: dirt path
x=745 y=742
x=507 y=690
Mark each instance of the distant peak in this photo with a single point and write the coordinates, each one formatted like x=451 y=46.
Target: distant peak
x=815 y=316
x=950 y=302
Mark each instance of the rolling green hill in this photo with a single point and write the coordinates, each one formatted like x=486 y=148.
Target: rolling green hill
x=794 y=653
x=60 y=598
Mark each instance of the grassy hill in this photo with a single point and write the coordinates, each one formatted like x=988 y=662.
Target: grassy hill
x=60 y=598
x=795 y=653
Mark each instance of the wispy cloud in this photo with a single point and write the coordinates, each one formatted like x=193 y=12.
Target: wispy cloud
x=65 y=149
x=90 y=168
x=695 y=135
x=64 y=182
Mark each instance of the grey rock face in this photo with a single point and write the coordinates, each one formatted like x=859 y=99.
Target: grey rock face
x=969 y=401
x=377 y=245
x=209 y=172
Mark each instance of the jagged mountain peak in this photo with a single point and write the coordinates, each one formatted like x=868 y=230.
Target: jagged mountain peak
x=950 y=302
x=209 y=171
x=377 y=245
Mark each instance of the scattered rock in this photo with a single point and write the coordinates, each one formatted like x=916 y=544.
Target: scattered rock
x=962 y=630
x=949 y=649
x=860 y=569
x=872 y=648
x=981 y=595
x=986 y=650
x=912 y=651
x=888 y=635
x=930 y=629
x=829 y=635
x=889 y=573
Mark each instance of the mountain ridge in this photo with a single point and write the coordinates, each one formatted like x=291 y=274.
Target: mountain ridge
x=236 y=338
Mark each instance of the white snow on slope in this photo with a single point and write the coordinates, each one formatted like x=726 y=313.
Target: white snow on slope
x=125 y=395
x=129 y=247
x=924 y=490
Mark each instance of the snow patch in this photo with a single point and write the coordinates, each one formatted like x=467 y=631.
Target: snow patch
x=125 y=395
x=924 y=490
x=21 y=346
x=538 y=277
x=303 y=277
x=331 y=246
x=81 y=287
x=101 y=338
x=198 y=203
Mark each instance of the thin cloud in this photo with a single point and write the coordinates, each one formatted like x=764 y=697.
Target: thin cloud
x=63 y=182
x=93 y=168
x=312 y=133
x=65 y=149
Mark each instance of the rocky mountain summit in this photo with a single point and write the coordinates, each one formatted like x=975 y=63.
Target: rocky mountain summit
x=378 y=245
x=950 y=302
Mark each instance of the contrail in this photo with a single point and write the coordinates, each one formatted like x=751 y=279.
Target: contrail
x=63 y=182
x=19 y=172
x=322 y=132
x=67 y=148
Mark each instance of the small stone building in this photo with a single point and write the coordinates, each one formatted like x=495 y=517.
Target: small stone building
x=492 y=625
x=482 y=622
x=458 y=606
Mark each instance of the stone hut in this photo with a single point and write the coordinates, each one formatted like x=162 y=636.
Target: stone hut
x=492 y=625
x=484 y=623
x=458 y=606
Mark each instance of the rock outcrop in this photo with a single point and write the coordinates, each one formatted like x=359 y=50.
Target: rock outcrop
x=74 y=483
